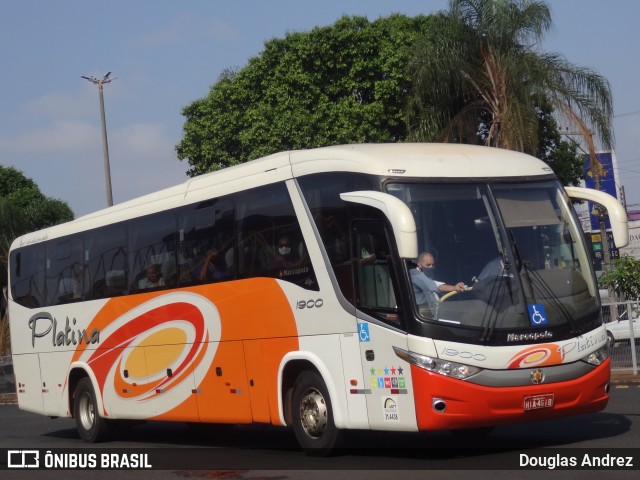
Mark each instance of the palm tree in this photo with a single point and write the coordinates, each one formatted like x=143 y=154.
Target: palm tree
x=480 y=76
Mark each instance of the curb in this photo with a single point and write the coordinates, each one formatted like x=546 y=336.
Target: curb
x=8 y=399
x=626 y=378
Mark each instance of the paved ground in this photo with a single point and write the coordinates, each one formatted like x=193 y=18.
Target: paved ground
x=624 y=376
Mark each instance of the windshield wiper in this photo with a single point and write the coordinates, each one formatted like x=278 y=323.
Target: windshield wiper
x=547 y=292
x=501 y=296
x=495 y=301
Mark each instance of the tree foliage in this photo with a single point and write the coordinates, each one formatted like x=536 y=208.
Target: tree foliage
x=470 y=75
x=24 y=208
x=345 y=83
x=480 y=67
x=561 y=155
x=623 y=278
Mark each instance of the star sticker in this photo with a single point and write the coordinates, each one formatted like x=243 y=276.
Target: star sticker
x=372 y=371
x=386 y=371
x=393 y=370
x=399 y=370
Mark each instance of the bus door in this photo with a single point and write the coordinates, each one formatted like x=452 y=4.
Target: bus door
x=387 y=378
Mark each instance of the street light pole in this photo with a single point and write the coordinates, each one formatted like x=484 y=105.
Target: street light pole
x=105 y=145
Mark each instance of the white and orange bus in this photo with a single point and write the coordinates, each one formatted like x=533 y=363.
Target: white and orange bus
x=282 y=291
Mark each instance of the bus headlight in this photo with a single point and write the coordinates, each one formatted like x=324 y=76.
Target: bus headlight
x=436 y=365
x=597 y=357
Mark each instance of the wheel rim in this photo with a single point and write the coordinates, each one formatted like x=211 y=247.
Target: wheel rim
x=313 y=413
x=86 y=411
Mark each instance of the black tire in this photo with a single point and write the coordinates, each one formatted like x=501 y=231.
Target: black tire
x=313 y=422
x=91 y=426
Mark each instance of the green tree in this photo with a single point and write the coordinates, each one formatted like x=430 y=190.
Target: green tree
x=24 y=208
x=623 y=278
x=562 y=156
x=345 y=83
x=480 y=67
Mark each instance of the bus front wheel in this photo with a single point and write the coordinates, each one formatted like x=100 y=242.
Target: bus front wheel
x=313 y=422
x=91 y=426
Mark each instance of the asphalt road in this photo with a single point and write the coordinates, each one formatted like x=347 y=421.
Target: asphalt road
x=251 y=452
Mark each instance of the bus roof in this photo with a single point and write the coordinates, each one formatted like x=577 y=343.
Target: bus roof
x=408 y=160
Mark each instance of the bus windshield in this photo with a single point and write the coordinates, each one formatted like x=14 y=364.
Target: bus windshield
x=518 y=251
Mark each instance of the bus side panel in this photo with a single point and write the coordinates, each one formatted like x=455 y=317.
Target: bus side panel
x=53 y=370
x=158 y=360
x=258 y=385
x=389 y=380
x=27 y=370
x=224 y=391
x=357 y=384
x=263 y=359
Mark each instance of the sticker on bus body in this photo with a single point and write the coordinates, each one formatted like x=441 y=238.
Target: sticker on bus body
x=537 y=315
x=363 y=332
x=390 y=409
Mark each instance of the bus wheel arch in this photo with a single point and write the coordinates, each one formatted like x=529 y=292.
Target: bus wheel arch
x=75 y=375
x=91 y=426
x=290 y=374
x=308 y=409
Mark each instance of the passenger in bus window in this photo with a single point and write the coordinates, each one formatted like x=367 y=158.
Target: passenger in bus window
x=378 y=247
x=426 y=264
x=287 y=255
x=213 y=268
x=153 y=278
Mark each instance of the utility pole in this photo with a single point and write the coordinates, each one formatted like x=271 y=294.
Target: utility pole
x=105 y=145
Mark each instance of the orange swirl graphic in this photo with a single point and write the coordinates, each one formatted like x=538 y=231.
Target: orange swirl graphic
x=112 y=348
x=537 y=356
x=150 y=356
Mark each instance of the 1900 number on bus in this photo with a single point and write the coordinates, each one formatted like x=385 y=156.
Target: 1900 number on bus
x=302 y=304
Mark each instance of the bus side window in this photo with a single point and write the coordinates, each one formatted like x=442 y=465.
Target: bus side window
x=28 y=286
x=106 y=262
x=65 y=272
x=152 y=247
x=266 y=221
x=374 y=275
x=206 y=238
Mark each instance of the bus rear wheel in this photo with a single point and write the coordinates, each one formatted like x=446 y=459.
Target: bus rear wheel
x=91 y=426
x=313 y=422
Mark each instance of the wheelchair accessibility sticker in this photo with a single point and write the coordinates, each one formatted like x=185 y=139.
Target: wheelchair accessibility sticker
x=363 y=332
x=537 y=315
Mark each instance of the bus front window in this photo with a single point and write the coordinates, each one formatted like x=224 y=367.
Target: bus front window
x=518 y=250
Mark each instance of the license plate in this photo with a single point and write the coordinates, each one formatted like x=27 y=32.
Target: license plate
x=534 y=402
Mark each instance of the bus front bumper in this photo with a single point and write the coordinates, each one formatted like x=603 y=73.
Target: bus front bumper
x=444 y=403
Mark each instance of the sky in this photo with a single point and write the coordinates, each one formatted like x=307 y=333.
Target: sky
x=164 y=54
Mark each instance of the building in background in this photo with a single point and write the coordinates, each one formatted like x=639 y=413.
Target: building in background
x=633 y=249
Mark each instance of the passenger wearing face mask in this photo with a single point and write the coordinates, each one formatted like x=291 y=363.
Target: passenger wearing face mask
x=286 y=256
x=426 y=264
